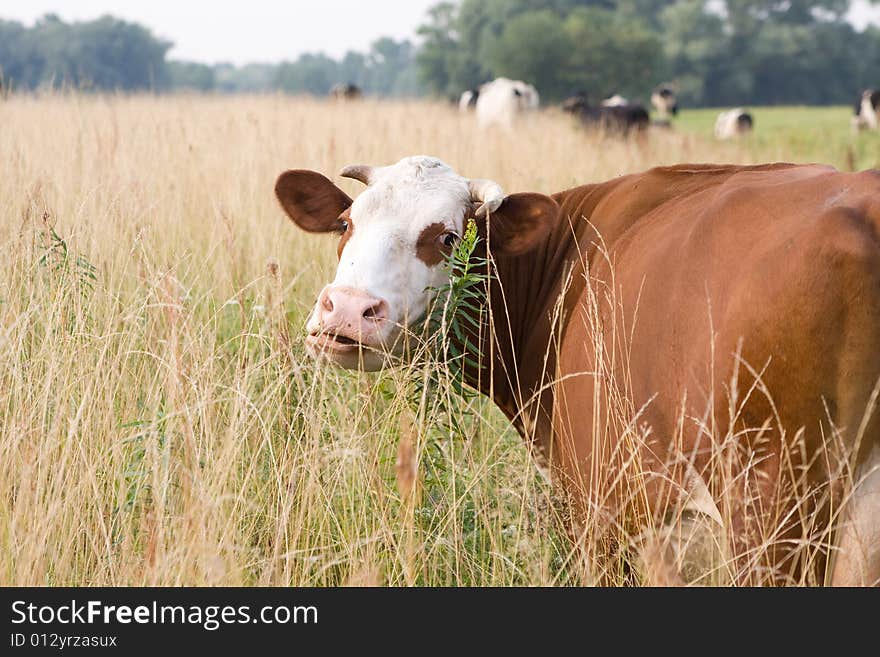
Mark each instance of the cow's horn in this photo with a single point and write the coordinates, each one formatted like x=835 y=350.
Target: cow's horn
x=361 y=172
x=487 y=193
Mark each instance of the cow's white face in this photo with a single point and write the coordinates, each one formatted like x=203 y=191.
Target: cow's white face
x=394 y=239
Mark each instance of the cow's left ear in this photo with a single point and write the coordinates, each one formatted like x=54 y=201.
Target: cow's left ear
x=311 y=200
x=520 y=223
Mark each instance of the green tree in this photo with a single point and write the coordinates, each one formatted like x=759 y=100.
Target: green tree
x=694 y=44
x=387 y=63
x=439 y=48
x=191 y=76
x=779 y=51
x=535 y=48
x=611 y=53
x=746 y=16
x=21 y=63
x=106 y=53
x=353 y=68
x=310 y=73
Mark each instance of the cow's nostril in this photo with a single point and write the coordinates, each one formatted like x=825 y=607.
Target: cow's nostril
x=327 y=303
x=374 y=311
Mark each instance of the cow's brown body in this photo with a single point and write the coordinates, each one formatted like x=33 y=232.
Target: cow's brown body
x=727 y=306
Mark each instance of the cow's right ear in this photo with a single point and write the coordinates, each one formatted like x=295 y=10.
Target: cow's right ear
x=311 y=200
x=520 y=223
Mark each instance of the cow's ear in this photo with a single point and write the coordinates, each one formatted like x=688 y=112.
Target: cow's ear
x=520 y=223
x=311 y=200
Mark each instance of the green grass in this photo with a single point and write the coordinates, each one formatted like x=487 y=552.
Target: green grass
x=797 y=133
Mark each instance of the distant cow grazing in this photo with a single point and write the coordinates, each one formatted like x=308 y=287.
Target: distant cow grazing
x=346 y=91
x=665 y=101
x=502 y=101
x=867 y=110
x=733 y=123
x=735 y=309
x=615 y=119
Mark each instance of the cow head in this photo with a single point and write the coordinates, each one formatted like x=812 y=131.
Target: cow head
x=393 y=240
x=526 y=95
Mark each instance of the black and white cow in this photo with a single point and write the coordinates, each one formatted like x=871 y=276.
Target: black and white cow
x=867 y=111
x=665 y=101
x=502 y=102
x=615 y=119
x=733 y=123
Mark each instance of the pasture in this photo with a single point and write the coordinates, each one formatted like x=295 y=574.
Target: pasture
x=159 y=421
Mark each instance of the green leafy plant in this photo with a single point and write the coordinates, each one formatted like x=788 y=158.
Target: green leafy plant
x=453 y=318
x=69 y=267
x=443 y=403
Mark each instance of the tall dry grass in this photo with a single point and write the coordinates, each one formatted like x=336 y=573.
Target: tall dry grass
x=159 y=423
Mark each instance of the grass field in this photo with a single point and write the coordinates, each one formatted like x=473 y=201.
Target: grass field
x=159 y=423
x=801 y=134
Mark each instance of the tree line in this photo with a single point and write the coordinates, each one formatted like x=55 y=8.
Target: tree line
x=717 y=52
x=112 y=54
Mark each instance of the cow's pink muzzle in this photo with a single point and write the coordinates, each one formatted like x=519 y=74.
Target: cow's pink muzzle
x=347 y=319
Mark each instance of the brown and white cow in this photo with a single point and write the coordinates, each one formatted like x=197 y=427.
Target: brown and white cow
x=720 y=303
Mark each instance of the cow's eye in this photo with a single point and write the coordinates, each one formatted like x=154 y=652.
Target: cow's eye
x=343 y=226
x=449 y=239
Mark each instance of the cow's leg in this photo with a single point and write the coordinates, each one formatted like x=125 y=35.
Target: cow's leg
x=857 y=559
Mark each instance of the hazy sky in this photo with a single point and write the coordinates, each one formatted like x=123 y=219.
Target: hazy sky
x=246 y=31
x=264 y=30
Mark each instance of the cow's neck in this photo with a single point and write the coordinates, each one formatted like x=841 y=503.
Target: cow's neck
x=519 y=362
x=529 y=310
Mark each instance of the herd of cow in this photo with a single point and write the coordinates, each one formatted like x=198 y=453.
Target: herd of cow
x=499 y=102
x=502 y=100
